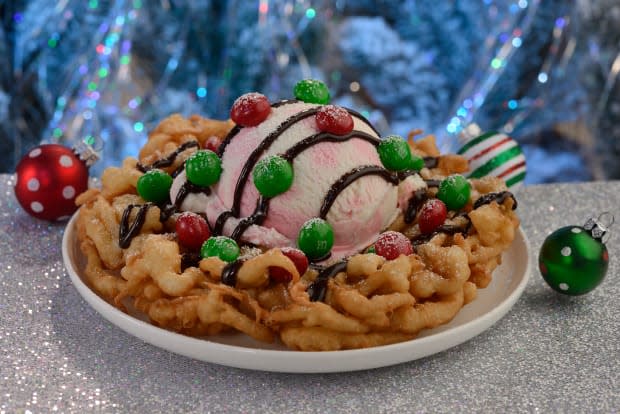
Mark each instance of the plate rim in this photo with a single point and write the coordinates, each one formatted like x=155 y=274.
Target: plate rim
x=291 y=361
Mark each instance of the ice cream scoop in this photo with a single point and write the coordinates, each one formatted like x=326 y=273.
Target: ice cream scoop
x=337 y=177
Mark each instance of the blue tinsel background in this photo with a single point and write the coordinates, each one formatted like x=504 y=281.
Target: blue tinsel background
x=108 y=71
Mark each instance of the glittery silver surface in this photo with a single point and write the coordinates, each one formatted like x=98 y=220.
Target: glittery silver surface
x=550 y=353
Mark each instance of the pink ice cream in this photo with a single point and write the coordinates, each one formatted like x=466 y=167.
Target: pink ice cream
x=362 y=211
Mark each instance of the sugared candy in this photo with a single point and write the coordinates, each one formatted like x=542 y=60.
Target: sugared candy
x=273 y=175
x=432 y=215
x=417 y=163
x=299 y=259
x=392 y=244
x=312 y=91
x=334 y=119
x=250 y=109
x=203 y=168
x=316 y=238
x=154 y=186
x=454 y=191
x=221 y=246
x=395 y=153
x=496 y=155
x=192 y=230
x=212 y=143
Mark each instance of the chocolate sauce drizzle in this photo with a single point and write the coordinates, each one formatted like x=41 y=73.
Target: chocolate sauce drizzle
x=498 y=197
x=229 y=273
x=127 y=232
x=348 y=178
x=306 y=143
x=169 y=160
x=415 y=202
x=189 y=188
x=431 y=162
x=259 y=215
x=318 y=288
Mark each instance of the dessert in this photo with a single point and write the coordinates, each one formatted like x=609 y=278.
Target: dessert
x=294 y=220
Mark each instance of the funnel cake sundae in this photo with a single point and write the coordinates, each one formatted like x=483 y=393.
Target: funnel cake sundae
x=294 y=221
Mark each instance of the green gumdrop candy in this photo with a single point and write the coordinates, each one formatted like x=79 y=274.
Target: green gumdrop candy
x=454 y=191
x=312 y=91
x=272 y=175
x=203 y=168
x=221 y=246
x=154 y=186
x=395 y=153
x=316 y=238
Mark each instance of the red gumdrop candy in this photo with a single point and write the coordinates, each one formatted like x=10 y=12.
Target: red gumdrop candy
x=432 y=215
x=334 y=119
x=212 y=143
x=392 y=244
x=250 y=109
x=299 y=259
x=192 y=230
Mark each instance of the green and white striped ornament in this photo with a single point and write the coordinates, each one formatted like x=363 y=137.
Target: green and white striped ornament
x=497 y=155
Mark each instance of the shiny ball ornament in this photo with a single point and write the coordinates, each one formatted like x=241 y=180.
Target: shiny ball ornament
x=49 y=178
x=573 y=260
x=497 y=155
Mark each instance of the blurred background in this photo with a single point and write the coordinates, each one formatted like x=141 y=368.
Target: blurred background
x=103 y=71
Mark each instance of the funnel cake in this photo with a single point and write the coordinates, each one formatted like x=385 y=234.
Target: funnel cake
x=320 y=233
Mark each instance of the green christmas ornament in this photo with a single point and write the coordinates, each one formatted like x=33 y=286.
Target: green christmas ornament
x=312 y=91
x=273 y=175
x=154 y=186
x=573 y=260
x=316 y=238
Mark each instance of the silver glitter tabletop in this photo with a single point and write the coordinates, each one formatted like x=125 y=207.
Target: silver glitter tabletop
x=550 y=353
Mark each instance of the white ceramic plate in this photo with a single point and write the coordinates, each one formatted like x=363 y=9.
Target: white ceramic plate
x=238 y=350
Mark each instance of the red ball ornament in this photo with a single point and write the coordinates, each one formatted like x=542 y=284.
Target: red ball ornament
x=49 y=178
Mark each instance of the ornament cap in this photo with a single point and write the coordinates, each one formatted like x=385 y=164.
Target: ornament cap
x=88 y=150
x=598 y=228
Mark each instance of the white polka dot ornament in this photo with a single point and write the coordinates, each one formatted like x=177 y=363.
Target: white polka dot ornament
x=573 y=260
x=49 y=177
x=497 y=155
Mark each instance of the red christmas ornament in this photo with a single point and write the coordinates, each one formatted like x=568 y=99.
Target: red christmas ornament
x=49 y=178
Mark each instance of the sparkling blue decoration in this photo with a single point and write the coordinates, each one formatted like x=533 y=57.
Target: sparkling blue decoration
x=543 y=72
